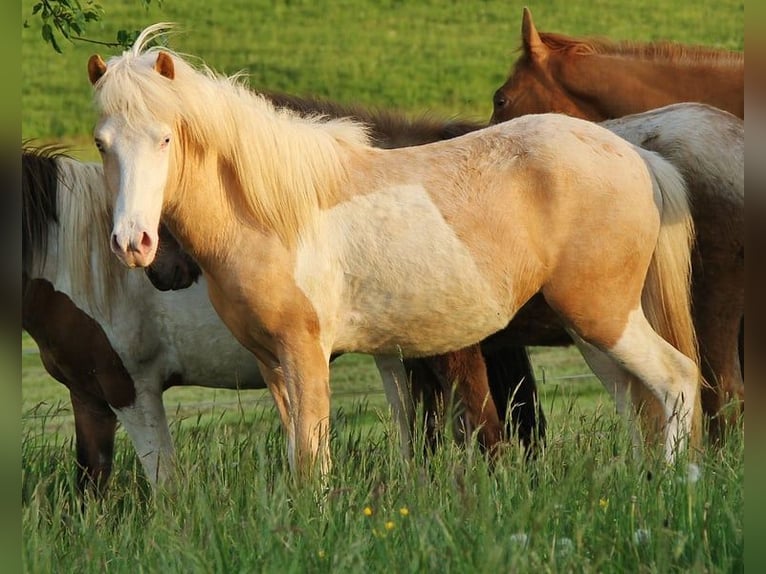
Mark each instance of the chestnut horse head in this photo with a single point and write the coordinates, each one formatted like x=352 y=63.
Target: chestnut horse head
x=598 y=79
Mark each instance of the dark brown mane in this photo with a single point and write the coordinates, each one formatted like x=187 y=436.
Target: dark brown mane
x=39 y=184
x=670 y=51
x=388 y=129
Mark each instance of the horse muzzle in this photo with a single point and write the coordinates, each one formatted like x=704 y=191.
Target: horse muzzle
x=134 y=249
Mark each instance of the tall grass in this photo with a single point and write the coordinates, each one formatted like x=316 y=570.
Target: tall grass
x=583 y=505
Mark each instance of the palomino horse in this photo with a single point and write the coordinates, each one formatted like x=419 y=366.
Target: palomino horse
x=59 y=292
x=108 y=335
x=507 y=368
x=682 y=133
x=315 y=242
x=597 y=80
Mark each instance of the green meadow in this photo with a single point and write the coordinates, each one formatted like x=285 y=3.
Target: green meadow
x=586 y=504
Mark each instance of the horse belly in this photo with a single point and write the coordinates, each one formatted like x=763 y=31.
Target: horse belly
x=207 y=354
x=409 y=285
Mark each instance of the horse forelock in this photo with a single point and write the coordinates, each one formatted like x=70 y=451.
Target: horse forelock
x=61 y=190
x=287 y=165
x=667 y=51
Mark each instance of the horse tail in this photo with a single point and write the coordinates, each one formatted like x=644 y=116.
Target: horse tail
x=666 y=297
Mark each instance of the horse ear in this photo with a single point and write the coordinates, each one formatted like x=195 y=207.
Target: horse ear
x=96 y=68
x=533 y=45
x=164 y=65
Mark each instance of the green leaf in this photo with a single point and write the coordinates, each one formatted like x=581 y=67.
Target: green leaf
x=47 y=32
x=55 y=44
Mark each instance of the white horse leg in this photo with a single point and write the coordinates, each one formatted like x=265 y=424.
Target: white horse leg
x=147 y=426
x=396 y=384
x=616 y=381
x=672 y=377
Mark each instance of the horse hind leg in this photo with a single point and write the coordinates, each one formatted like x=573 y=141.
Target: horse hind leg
x=514 y=390
x=670 y=376
x=467 y=372
x=631 y=398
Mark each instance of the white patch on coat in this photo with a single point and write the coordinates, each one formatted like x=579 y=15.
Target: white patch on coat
x=394 y=277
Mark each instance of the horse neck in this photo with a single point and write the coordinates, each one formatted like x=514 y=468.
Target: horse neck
x=274 y=172
x=608 y=86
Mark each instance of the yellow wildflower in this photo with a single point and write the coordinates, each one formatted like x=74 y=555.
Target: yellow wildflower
x=390 y=525
x=603 y=503
x=367 y=511
x=404 y=511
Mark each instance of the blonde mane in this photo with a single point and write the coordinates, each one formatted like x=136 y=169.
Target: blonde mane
x=662 y=51
x=287 y=166
x=84 y=226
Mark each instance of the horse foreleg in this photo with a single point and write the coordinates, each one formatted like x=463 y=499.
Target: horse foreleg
x=306 y=372
x=427 y=390
x=147 y=426
x=275 y=382
x=399 y=394
x=95 y=427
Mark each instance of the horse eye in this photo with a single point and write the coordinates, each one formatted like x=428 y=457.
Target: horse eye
x=166 y=141
x=99 y=145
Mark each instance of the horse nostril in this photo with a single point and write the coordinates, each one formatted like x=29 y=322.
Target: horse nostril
x=146 y=242
x=114 y=244
x=499 y=100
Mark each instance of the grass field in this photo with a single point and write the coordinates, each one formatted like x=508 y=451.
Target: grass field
x=585 y=506
x=444 y=57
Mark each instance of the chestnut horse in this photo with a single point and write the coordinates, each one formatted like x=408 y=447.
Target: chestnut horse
x=315 y=242
x=598 y=80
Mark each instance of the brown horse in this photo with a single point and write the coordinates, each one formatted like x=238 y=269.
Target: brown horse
x=314 y=242
x=598 y=80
